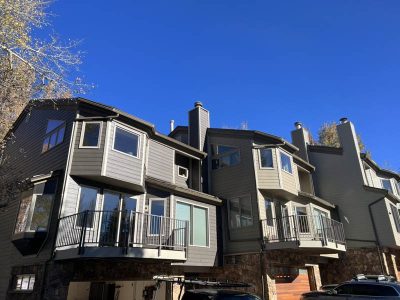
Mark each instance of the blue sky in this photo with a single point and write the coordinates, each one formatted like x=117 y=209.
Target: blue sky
x=269 y=63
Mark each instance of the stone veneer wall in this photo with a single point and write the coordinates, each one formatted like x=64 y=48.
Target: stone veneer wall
x=371 y=260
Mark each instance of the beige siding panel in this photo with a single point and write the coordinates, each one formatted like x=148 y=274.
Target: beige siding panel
x=289 y=181
x=122 y=166
x=161 y=161
x=179 y=180
x=267 y=178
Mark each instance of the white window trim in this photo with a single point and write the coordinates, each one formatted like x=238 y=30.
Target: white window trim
x=130 y=130
x=259 y=159
x=390 y=182
x=83 y=129
x=164 y=211
x=291 y=162
x=208 y=221
x=187 y=172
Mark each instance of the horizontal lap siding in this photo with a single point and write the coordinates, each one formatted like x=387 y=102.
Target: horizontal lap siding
x=232 y=182
x=87 y=161
x=124 y=167
x=179 y=180
x=29 y=161
x=267 y=178
x=160 y=161
x=202 y=256
x=289 y=180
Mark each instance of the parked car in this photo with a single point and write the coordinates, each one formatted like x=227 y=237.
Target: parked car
x=328 y=287
x=215 y=294
x=358 y=290
x=362 y=277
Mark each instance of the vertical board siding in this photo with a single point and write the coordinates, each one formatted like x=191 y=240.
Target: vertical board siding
x=124 y=167
x=88 y=161
x=161 y=161
x=26 y=148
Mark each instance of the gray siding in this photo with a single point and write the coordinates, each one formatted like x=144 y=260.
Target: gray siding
x=267 y=178
x=234 y=181
x=121 y=166
x=202 y=256
x=87 y=161
x=160 y=161
x=29 y=161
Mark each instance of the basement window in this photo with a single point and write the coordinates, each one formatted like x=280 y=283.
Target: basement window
x=24 y=282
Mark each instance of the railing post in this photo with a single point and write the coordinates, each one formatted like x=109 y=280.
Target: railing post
x=82 y=238
x=187 y=237
x=159 y=235
x=296 y=228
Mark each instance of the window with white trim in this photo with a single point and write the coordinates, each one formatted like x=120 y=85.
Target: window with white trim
x=126 y=141
x=224 y=156
x=397 y=185
x=24 y=282
x=286 y=162
x=90 y=134
x=183 y=172
x=269 y=212
x=87 y=202
x=54 y=134
x=157 y=212
x=266 y=158
x=198 y=222
x=240 y=212
x=387 y=185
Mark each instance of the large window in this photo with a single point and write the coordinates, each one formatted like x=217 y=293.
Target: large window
x=90 y=135
x=42 y=203
x=157 y=211
x=266 y=158
x=286 y=163
x=54 y=134
x=126 y=141
x=198 y=222
x=386 y=184
x=240 y=212
x=87 y=202
x=396 y=216
x=24 y=282
x=225 y=156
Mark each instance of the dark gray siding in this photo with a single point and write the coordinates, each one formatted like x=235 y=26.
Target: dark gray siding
x=87 y=161
x=160 y=163
x=30 y=161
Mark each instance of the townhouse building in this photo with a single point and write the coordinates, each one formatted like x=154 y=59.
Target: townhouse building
x=276 y=230
x=367 y=198
x=109 y=203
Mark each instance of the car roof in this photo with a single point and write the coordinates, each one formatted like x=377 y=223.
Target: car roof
x=216 y=292
x=395 y=284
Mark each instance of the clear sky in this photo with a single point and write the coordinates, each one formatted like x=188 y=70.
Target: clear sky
x=269 y=63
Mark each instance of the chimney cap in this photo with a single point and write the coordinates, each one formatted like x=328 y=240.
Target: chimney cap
x=298 y=125
x=198 y=104
x=343 y=120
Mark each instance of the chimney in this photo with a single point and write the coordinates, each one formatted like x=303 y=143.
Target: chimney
x=199 y=121
x=171 y=125
x=301 y=138
x=343 y=120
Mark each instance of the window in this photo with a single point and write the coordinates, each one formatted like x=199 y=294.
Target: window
x=386 y=184
x=396 y=216
x=87 y=202
x=54 y=134
x=183 y=172
x=157 y=211
x=266 y=158
x=24 y=282
x=373 y=290
x=302 y=219
x=198 y=222
x=225 y=156
x=126 y=142
x=268 y=212
x=397 y=185
x=286 y=163
x=90 y=135
x=42 y=203
x=344 y=289
x=240 y=212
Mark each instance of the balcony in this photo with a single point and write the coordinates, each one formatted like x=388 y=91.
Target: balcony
x=304 y=232
x=121 y=234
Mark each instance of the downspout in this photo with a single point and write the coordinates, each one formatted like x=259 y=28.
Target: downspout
x=377 y=242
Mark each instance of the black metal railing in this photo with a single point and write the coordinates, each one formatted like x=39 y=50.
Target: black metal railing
x=303 y=228
x=122 y=229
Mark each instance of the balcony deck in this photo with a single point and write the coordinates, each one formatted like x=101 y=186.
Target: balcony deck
x=306 y=232
x=121 y=234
